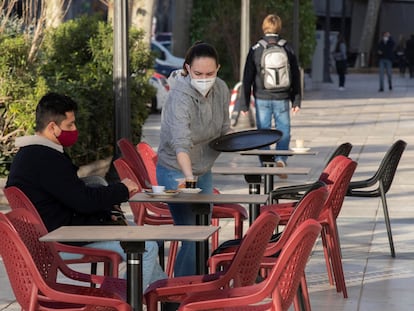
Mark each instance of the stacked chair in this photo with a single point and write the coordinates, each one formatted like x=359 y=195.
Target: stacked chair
x=337 y=176
x=33 y=267
x=277 y=291
x=309 y=207
x=241 y=272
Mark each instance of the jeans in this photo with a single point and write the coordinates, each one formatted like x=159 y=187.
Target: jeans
x=385 y=65
x=268 y=109
x=151 y=270
x=183 y=214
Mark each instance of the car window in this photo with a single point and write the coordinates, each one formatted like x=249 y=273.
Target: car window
x=158 y=52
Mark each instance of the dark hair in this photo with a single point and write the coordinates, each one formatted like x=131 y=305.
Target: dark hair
x=52 y=107
x=200 y=49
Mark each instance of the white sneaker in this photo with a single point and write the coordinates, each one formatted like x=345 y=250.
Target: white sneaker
x=341 y=88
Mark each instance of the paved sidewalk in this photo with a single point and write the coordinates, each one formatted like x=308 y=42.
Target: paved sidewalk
x=371 y=121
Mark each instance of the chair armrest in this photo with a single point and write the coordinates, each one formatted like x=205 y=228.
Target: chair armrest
x=288 y=192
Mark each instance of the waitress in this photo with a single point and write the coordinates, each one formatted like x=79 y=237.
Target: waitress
x=195 y=113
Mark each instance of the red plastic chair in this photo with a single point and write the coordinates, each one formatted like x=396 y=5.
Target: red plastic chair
x=277 y=291
x=336 y=176
x=150 y=158
x=149 y=213
x=234 y=211
x=242 y=271
x=110 y=259
x=309 y=207
x=33 y=266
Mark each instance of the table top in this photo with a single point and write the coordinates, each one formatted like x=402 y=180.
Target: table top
x=203 y=198
x=129 y=233
x=259 y=170
x=273 y=152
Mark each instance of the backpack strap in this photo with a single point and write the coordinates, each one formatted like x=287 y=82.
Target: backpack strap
x=280 y=42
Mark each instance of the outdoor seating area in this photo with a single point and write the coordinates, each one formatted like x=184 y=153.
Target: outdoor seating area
x=334 y=235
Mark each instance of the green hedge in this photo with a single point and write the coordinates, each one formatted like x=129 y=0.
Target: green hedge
x=75 y=59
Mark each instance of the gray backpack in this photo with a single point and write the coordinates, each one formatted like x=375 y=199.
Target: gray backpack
x=274 y=65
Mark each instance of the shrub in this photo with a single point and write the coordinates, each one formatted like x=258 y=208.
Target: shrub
x=76 y=59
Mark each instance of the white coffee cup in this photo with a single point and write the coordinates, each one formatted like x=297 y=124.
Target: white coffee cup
x=300 y=143
x=158 y=189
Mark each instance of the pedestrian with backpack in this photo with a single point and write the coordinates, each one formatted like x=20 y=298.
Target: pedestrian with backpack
x=272 y=70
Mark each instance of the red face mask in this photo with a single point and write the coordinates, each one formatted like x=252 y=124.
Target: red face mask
x=68 y=138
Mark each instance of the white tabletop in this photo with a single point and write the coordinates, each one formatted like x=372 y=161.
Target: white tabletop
x=129 y=233
x=259 y=170
x=273 y=152
x=203 y=198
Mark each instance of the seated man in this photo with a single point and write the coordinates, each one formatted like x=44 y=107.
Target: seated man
x=46 y=174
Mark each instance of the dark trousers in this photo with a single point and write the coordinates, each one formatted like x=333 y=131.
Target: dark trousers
x=341 y=70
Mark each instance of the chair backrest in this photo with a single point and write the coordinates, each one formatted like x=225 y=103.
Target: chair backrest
x=284 y=279
x=245 y=265
x=144 y=213
x=150 y=158
x=337 y=176
x=389 y=164
x=309 y=207
x=32 y=268
x=30 y=229
x=132 y=157
x=18 y=199
x=343 y=149
x=21 y=270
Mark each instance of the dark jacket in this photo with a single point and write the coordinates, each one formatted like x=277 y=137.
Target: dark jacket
x=386 y=49
x=49 y=178
x=252 y=77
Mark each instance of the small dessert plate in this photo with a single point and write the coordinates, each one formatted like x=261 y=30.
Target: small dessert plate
x=190 y=190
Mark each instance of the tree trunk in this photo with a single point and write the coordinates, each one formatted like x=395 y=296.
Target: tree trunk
x=54 y=13
x=181 y=26
x=368 y=32
x=141 y=16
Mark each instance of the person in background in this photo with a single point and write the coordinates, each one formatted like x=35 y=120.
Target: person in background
x=386 y=55
x=272 y=104
x=409 y=53
x=340 y=56
x=46 y=174
x=195 y=113
x=400 y=53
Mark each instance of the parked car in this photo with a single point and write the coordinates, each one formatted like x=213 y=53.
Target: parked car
x=165 y=62
x=160 y=83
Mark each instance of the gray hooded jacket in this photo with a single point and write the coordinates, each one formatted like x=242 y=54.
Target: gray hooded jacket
x=190 y=121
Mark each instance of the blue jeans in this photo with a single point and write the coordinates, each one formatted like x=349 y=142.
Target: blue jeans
x=266 y=110
x=184 y=214
x=151 y=270
x=385 y=65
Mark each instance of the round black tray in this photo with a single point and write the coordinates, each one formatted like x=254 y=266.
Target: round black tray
x=246 y=140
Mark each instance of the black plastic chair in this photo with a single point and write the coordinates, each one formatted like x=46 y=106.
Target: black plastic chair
x=296 y=192
x=383 y=178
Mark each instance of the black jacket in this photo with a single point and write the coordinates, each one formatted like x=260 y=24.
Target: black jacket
x=252 y=77
x=49 y=178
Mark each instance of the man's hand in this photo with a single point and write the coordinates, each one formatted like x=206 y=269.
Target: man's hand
x=295 y=109
x=131 y=185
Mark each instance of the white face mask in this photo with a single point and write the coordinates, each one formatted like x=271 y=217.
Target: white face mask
x=203 y=85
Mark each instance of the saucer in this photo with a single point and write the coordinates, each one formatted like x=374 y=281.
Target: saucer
x=303 y=149
x=190 y=190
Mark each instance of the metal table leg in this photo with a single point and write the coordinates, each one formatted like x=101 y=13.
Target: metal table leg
x=134 y=252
